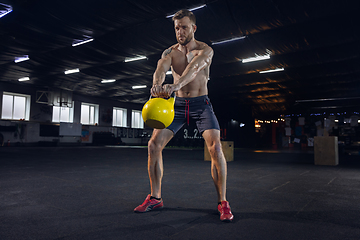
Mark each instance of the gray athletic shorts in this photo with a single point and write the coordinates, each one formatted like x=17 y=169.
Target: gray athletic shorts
x=198 y=109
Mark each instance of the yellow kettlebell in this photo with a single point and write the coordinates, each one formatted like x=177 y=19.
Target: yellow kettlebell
x=159 y=112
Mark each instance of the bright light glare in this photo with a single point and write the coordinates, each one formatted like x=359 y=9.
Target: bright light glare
x=79 y=42
x=135 y=58
x=137 y=87
x=229 y=40
x=168 y=73
x=196 y=8
x=21 y=59
x=9 y=9
x=108 y=80
x=24 y=79
x=72 y=71
x=192 y=9
x=257 y=58
x=273 y=70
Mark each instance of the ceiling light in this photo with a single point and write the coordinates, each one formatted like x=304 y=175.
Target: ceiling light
x=128 y=59
x=108 y=80
x=24 y=79
x=168 y=73
x=196 y=8
x=72 y=71
x=273 y=70
x=192 y=9
x=256 y=58
x=228 y=40
x=21 y=59
x=327 y=99
x=79 y=42
x=137 y=87
x=8 y=9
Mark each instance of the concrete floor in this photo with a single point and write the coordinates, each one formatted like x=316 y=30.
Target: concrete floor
x=90 y=193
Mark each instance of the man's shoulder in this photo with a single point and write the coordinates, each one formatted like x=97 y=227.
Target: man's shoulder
x=169 y=50
x=202 y=45
x=204 y=49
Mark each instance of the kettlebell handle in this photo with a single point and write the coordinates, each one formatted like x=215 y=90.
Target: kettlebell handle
x=172 y=95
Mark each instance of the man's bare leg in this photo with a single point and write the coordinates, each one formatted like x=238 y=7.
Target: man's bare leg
x=156 y=144
x=218 y=172
x=218 y=162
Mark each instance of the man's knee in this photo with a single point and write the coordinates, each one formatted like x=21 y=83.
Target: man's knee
x=154 y=147
x=215 y=149
x=159 y=140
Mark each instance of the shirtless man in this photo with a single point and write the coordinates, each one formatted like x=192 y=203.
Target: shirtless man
x=190 y=62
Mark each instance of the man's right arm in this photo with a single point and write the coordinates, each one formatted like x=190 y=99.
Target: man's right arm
x=163 y=66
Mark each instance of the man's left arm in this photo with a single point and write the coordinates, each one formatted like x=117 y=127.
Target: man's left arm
x=197 y=64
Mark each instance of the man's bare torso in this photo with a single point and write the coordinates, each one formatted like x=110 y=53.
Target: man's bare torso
x=179 y=61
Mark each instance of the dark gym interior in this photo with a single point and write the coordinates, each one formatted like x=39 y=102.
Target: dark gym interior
x=73 y=146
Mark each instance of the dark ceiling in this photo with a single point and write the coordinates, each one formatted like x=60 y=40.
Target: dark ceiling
x=316 y=42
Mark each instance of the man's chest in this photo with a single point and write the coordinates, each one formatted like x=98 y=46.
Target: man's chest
x=183 y=59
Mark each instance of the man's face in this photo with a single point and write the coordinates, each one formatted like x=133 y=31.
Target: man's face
x=184 y=30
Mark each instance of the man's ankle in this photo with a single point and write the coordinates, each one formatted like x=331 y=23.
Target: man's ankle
x=151 y=197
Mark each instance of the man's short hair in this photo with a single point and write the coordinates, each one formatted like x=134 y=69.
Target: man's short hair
x=184 y=13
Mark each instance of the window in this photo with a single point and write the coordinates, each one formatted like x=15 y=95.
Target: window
x=89 y=113
x=63 y=114
x=119 y=117
x=136 y=119
x=15 y=106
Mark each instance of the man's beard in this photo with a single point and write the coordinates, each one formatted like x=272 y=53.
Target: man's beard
x=186 y=41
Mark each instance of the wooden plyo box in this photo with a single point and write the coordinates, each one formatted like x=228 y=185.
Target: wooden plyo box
x=326 y=151
x=228 y=150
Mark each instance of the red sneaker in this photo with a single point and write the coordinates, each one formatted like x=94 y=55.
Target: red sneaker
x=149 y=205
x=225 y=212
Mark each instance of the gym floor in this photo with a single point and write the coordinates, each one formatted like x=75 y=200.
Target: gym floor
x=90 y=193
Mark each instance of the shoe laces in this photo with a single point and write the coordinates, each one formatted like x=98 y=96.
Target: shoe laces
x=226 y=208
x=147 y=202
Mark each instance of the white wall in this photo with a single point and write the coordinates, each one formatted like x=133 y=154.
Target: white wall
x=41 y=114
